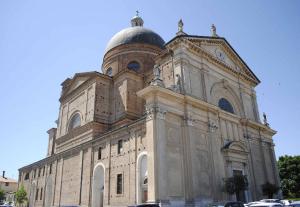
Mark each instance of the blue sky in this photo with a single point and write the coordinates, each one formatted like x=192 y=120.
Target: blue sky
x=44 y=42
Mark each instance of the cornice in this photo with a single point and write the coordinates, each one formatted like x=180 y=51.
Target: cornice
x=258 y=126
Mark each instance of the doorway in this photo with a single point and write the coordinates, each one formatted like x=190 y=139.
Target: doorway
x=98 y=186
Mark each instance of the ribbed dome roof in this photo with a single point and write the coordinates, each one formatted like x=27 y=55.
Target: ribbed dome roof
x=135 y=34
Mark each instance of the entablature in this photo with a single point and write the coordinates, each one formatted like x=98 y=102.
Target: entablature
x=155 y=94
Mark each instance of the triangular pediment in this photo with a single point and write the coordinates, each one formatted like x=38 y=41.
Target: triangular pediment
x=223 y=52
x=218 y=49
x=69 y=85
x=77 y=82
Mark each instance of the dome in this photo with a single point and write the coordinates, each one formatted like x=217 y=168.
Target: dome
x=135 y=34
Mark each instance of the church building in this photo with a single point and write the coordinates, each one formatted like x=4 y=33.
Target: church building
x=164 y=122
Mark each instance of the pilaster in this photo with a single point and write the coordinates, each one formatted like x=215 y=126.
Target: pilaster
x=155 y=131
x=188 y=123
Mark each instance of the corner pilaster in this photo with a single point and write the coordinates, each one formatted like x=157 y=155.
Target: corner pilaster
x=156 y=133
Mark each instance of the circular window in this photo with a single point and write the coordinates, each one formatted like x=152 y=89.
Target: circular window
x=109 y=71
x=133 y=65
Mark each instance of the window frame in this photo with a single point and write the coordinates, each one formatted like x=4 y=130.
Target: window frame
x=26 y=177
x=109 y=71
x=72 y=119
x=37 y=194
x=50 y=169
x=120 y=184
x=100 y=152
x=41 y=194
x=120 y=146
x=132 y=67
x=225 y=105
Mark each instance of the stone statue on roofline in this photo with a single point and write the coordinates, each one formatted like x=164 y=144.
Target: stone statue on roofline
x=265 y=120
x=156 y=81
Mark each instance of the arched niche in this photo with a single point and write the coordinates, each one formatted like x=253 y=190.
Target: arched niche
x=98 y=184
x=142 y=178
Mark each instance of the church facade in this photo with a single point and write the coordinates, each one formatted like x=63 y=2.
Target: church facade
x=164 y=122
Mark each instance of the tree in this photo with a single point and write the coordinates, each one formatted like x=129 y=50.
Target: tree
x=269 y=189
x=289 y=173
x=2 y=195
x=236 y=184
x=21 y=195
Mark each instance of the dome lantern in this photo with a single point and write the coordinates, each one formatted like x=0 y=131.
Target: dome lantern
x=137 y=21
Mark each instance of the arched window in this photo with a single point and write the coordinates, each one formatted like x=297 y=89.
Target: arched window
x=26 y=176
x=109 y=71
x=133 y=65
x=74 y=122
x=225 y=105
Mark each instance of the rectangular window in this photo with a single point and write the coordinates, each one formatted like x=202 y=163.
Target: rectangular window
x=43 y=170
x=120 y=146
x=99 y=153
x=6 y=184
x=34 y=173
x=50 y=169
x=39 y=172
x=41 y=194
x=119 y=183
x=37 y=194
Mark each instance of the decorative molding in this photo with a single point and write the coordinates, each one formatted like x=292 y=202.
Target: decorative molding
x=212 y=126
x=161 y=113
x=151 y=111
x=189 y=121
